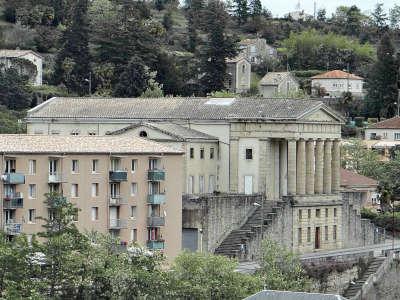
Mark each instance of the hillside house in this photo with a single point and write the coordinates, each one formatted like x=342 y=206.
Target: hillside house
x=275 y=84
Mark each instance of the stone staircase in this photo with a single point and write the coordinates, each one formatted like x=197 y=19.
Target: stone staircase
x=231 y=245
x=373 y=266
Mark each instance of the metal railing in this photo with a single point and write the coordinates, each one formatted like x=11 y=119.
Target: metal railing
x=118 y=223
x=117 y=200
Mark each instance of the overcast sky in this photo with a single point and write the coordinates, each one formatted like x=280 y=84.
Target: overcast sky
x=281 y=7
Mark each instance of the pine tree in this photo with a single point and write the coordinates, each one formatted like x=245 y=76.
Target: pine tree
x=73 y=61
x=217 y=48
x=382 y=81
x=379 y=17
x=241 y=11
x=255 y=8
x=194 y=13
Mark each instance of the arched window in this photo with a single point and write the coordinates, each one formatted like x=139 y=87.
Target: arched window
x=243 y=68
x=143 y=133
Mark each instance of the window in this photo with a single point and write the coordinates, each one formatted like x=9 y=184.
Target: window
x=134 y=235
x=115 y=164
x=300 y=214
x=134 y=188
x=397 y=136
x=53 y=166
x=326 y=212
x=143 y=133
x=191 y=184
x=74 y=190
x=32 y=166
x=335 y=212
x=91 y=133
x=334 y=232
x=75 y=216
x=249 y=153
x=318 y=213
x=32 y=191
x=32 y=216
x=299 y=236
x=10 y=166
x=309 y=213
x=95 y=189
x=243 y=68
x=95 y=213
x=191 y=152
x=326 y=233
x=373 y=136
x=115 y=190
x=154 y=164
x=75 y=132
x=133 y=212
x=211 y=184
x=201 y=184
x=133 y=165
x=95 y=165
x=75 y=166
x=211 y=153
x=308 y=234
x=201 y=153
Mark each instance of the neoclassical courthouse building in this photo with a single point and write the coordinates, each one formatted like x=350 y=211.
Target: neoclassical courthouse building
x=279 y=147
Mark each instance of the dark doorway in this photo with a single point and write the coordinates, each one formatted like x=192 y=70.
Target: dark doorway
x=317 y=237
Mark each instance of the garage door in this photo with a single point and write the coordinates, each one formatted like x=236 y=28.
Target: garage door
x=189 y=239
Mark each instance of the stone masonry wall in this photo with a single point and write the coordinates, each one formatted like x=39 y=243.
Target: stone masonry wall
x=217 y=215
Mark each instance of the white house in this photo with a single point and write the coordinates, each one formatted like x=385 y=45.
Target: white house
x=335 y=83
x=275 y=84
x=11 y=58
x=238 y=74
x=257 y=50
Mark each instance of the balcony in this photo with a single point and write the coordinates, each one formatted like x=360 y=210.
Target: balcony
x=13 y=178
x=155 y=245
x=156 y=175
x=118 y=176
x=118 y=224
x=117 y=201
x=12 y=228
x=156 y=199
x=155 y=221
x=56 y=177
x=13 y=201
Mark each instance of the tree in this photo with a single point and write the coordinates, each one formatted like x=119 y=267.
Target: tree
x=353 y=22
x=382 y=81
x=167 y=20
x=73 y=60
x=216 y=49
x=205 y=276
x=255 y=8
x=194 y=17
x=394 y=17
x=15 y=91
x=321 y=15
x=379 y=17
x=241 y=11
x=281 y=269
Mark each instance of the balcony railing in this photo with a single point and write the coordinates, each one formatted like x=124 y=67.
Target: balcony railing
x=117 y=201
x=118 y=176
x=155 y=245
x=156 y=199
x=13 y=201
x=13 y=178
x=155 y=221
x=118 y=223
x=156 y=175
x=12 y=228
x=56 y=177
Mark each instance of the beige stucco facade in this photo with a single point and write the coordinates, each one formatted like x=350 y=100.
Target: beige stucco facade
x=123 y=207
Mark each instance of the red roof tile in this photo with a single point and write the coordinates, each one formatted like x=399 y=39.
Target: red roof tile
x=393 y=123
x=352 y=179
x=337 y=74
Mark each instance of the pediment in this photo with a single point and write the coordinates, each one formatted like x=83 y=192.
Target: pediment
x=323 y=114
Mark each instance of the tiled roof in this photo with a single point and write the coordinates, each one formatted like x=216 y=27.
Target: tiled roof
x=392 y=123
x=174 y=108
x=337 y=74
x=274 y=78
x=23 y=143
x=288 y=295
x=16 y=53
x=352 y=179
x=175 y=130
x=236 y=58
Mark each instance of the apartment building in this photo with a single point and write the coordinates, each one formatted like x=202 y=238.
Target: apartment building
x=126 y=186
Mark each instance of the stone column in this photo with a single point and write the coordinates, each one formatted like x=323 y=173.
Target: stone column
x=319 y=166
x=270 y=170
x=234 y=169
x=283 y=168
x=301 y=167
x=266 y=178
x=310 y=167
x=328 y=167
x=336 y=166
x=262 y=166
x=292 y=156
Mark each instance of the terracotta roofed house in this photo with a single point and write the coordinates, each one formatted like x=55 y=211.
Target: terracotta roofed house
x=336 y=82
